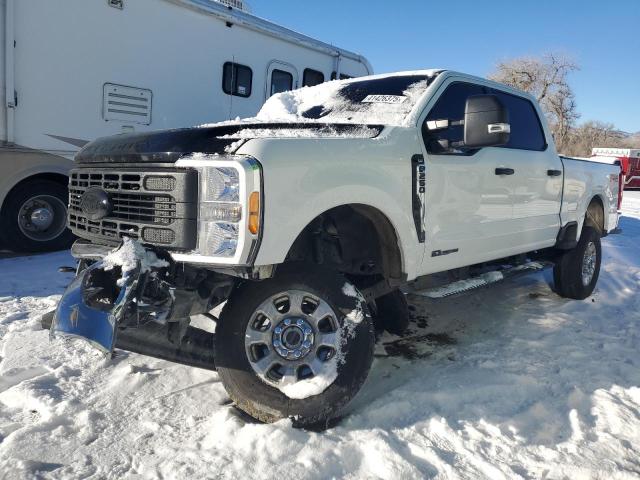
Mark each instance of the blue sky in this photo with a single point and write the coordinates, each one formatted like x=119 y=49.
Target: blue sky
x=603 y=37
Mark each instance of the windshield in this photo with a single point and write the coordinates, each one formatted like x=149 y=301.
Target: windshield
x=380 y=100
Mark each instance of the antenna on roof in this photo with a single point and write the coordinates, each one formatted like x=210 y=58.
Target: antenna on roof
x=237 y=4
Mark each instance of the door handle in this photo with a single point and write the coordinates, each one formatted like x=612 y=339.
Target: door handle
x=554 y=173
x=505 y=171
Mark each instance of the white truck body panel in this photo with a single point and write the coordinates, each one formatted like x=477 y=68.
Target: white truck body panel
x=300 y=189
x=468 y=208
x=585 y=180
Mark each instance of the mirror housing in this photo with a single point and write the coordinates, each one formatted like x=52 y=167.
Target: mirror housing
x=486 y=122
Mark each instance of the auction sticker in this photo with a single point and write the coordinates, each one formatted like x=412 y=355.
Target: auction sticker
x=384 y=99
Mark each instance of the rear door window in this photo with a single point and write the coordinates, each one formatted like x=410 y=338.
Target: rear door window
x=526 y=128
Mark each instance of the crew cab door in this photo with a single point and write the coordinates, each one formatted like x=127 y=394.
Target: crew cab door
x=536 y=183
x=469 y=209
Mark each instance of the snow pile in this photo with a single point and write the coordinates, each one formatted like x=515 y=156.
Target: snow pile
x=534 y=386
x=293 y=106
x=319 y=383
x=314 y=385
x=129 y=255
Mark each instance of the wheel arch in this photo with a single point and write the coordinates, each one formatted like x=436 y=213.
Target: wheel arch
x=350 y=236
x=594 y=214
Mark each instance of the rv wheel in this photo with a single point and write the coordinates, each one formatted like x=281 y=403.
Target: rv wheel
x=34 y=217
x=296 y=346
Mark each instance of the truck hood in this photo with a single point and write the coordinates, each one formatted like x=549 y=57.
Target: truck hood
x=167 y=146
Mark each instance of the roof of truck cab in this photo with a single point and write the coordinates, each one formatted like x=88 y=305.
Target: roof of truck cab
x=248 y=20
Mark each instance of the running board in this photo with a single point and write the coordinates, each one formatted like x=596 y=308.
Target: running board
x=195 y=350
x=488 y=278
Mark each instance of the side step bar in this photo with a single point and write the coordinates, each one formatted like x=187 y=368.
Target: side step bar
x=195 y=350
x=487 y=278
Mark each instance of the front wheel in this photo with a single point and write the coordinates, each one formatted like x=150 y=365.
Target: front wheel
x=576 y=272
x=296 y=346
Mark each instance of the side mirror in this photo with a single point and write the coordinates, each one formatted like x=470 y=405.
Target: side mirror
x=486 y=122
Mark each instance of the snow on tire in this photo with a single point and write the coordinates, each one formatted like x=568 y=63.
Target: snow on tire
x=296 y=346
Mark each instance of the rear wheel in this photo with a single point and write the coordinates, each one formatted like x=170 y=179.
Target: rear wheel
x=297 y=346
x=576 y=273
x=34 y=217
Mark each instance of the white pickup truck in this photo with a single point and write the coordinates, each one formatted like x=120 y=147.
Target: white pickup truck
x=302 y=225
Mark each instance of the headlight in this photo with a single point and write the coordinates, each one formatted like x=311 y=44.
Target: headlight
x=229 y=209
x=221 y=184
x=220 y=211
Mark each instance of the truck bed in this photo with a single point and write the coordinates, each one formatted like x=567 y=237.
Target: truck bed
x=582 y=176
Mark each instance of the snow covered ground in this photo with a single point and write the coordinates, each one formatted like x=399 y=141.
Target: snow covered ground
x=509 y=381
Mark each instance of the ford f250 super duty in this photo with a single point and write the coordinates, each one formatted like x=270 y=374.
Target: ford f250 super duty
x=299 y=228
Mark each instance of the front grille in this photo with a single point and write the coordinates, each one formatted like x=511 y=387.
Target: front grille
x=161 y=203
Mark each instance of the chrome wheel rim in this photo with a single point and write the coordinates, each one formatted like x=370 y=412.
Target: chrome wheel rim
x=589 y=263
x=42 y=218
x=292 y=336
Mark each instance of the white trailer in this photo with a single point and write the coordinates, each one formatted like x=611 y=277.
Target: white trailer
x=75 y=70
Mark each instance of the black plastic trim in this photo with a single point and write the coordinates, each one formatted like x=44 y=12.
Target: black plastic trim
x=567 y=236
x=168 y=146
x=418 y=187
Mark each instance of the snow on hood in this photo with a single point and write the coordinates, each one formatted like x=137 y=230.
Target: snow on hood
x=366 y=100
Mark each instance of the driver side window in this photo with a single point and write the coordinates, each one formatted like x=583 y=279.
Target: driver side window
x=450 y=108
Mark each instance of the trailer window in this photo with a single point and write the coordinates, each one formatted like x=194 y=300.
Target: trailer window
x=281 y=81
x=311 y=78
x=334 y=76
x=237 y=79
x=526 y=129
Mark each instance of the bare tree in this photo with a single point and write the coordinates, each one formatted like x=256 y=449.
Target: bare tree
x=598 y=134
x=546 y=79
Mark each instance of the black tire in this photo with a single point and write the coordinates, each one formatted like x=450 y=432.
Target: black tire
x=264 y=401
x=392 y=313
x=15 y=238
x=568 y=270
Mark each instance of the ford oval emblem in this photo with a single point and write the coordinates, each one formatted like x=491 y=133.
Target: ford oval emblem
x=95 y=203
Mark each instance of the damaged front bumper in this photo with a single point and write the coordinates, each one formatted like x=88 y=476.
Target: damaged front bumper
x=145 y=310
x=96 y=303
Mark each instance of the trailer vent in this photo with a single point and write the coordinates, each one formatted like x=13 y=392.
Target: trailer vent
x=126 y=104
x=237 y=4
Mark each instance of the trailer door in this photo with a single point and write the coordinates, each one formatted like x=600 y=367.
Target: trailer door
x=281 y=77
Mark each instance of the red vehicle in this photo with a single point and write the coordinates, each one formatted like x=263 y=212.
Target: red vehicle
x=630 y=161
